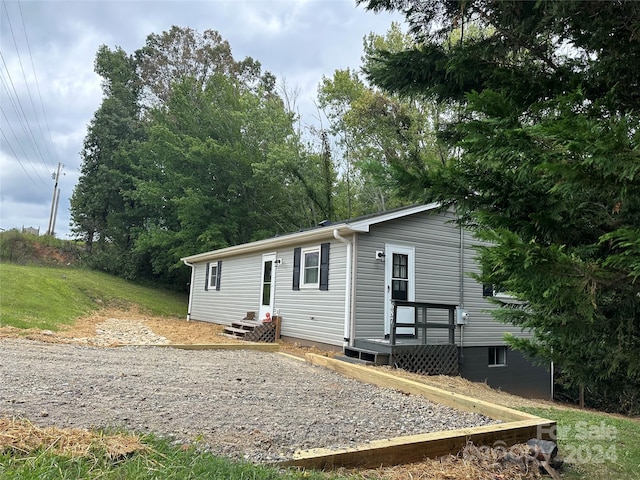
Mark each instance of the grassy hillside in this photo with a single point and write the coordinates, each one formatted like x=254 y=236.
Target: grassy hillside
x=45 y=297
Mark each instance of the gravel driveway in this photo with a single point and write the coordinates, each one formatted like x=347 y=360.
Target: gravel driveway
x=244 y=404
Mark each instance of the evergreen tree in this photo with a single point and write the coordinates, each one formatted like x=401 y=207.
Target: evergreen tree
x=545 y=132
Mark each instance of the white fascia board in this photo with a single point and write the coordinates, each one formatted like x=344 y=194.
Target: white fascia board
x=365 y=224
x=317 y=234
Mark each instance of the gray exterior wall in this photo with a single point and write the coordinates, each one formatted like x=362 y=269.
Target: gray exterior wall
x=307 y=314
x=438 y=276
x=239 y=290
x=318 y=316
x=519 y=376
x=312 y=314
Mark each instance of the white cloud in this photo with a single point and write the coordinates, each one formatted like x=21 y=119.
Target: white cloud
x=298 y=41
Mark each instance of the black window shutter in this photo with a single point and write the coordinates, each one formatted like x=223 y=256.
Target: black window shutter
x=324 y=266
x=218 y=270
x=296 y=268
x=206 y=277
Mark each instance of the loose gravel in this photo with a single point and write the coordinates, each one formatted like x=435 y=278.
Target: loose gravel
x=243 y=404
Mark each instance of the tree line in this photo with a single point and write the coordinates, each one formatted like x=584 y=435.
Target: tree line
x=192 y=150
x=521 y=115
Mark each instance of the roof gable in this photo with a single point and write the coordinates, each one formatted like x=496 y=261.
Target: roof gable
x=347 y=227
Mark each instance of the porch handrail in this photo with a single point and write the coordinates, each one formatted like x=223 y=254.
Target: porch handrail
x=423 y=306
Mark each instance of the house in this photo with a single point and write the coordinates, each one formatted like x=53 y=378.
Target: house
x=392 y=287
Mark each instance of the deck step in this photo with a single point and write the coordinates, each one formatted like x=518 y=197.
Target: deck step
x=371 y=356
x=353 y=360
x=238 y=332
x=245 y=324
x=229 y=335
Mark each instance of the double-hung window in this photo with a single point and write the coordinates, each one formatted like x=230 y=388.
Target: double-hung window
x=212 y=276
x=310 y=267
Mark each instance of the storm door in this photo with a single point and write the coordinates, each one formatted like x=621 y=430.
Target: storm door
x=399 y=285
x=267 y=285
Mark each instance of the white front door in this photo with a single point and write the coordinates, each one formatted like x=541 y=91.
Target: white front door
x=399 y=285
x=267 y=285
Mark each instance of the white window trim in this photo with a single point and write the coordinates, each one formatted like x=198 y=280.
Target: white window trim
x=303 y=253
x=213 y=275
x=503 y=297
x=498 y=365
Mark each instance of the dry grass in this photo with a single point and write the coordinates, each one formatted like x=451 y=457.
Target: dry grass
x=473 y=463
x=21 y=437
x=474 y=389
x=176 y=330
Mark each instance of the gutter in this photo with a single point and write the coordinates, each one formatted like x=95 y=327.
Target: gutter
x=191 y=283
x=347 y=288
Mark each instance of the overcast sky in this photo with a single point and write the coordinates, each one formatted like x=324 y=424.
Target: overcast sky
x=49 y=92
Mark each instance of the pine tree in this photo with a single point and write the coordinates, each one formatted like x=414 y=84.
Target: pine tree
x=545 y=128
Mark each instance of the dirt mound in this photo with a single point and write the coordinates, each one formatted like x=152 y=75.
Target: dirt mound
x=26 y=249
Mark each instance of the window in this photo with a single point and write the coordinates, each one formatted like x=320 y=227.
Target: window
x=497 y=356
x=212 y=276
x=267 y=269
x=400 y=277
x=310 y=267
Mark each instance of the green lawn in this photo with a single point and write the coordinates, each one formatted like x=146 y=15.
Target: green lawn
x=594 y=445
x=42 y=297
x=164 y=461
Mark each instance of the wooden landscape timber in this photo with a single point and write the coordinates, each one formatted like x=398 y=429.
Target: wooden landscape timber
x=519 y=427
x=261 y=347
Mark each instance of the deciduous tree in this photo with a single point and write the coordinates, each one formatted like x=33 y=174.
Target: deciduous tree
x=101 y=208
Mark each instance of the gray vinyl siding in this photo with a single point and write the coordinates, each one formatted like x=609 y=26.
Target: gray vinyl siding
x=481 y=328
x=239 y=290
x=436 y=260
x=368 y=304
x=309 y=313
x=437 y=276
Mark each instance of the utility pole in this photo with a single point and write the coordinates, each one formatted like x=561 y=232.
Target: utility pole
x=55 y=214
x=54 y=201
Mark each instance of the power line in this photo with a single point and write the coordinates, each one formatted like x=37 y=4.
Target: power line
x=14 y=154
x=22 y=120
x=15 y=43
x=21 y=148
x=35 y=76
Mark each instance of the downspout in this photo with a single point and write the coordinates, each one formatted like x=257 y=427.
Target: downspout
x=461 y=356
x=354 y=268
x=347 y=288
x=552 y=377
x=193 y=273
x=552 y=385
